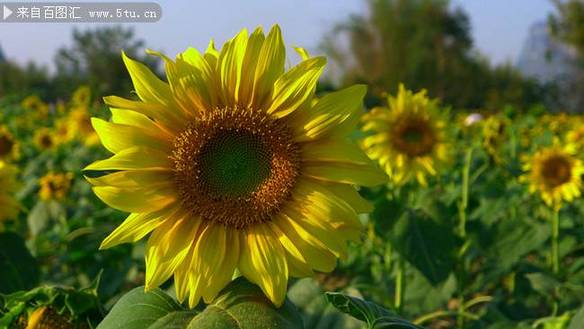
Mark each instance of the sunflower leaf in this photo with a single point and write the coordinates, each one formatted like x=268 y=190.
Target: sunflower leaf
x=140 y=310
x=374 y=315
x=243 y=305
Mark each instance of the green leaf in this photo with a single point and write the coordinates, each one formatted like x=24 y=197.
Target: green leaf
x=577 y=321
x=139 y=309
x=241 y=305
x=19 y=270
x=426 y=244
x=38 y=218
x=542 y=283
x=513 y=239
x=316 y=312
x=374 y=315
x=174 y=320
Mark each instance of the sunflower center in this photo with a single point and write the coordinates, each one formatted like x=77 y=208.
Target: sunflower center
x=46 y=141
x=413 y=137
x=6 y=145
x=235 y=166
x=556 y=171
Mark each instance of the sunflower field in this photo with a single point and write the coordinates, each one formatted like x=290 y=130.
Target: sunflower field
x=234 y=192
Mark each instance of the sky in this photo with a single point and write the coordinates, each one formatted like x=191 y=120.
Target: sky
x=499 y=27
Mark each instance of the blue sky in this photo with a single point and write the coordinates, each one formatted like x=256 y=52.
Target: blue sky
x=499 y=26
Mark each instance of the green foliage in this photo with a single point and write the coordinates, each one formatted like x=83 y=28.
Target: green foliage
x=240 y=305
x=78 y=306
x=375 y=316
x=19 y=269
x=317 y=313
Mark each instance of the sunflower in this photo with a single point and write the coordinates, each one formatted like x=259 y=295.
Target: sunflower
x=9 y=207
x=35 y=104
x=80 y=122
x=64 y=131
x=576 y=137
x=9 y=148
x=55 y=186
x=81 y=97
x=233 y=167
x=408 y=138
x=43 y=139
x=48 y=318
x=554 y=172
x=494 y=136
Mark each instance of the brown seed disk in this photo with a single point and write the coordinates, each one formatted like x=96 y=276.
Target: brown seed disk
x=413 y=136
x=6 y=145
x=268 y=139
x=556 y=171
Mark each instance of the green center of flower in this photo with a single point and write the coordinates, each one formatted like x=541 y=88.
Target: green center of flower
x=234 y=165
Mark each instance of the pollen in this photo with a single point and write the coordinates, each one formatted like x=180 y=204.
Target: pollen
x=235 y=166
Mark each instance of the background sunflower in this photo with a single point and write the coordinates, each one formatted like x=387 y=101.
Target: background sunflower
x=408 y=138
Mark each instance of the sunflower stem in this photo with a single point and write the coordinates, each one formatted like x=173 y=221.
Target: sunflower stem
x=460 y=318
x=465 y=187
x=555 y=256
x=400 y=285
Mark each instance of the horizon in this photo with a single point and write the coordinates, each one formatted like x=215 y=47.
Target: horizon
x=494 y=41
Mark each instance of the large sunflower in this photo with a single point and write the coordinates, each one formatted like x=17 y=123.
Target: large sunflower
x=555 y=173
x=408 y=138
x=9 y=207
x=232 y=166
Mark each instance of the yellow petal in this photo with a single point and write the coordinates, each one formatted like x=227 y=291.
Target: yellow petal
x=323 y=206
x=263 y=262
x=197 y=80
x=270 y=65
x=313 y=250
x=336 y=113
x=148 y=86
x=135 y=227
x=351 y=196
x=250 y=61
x=170 y=118
x=365 y=175
x=231 y=63
x=136 y=199
x=322 y=231
x=134 y=179
x=136 y=119
x=117 y=137
x=136 y=157
x=297 y=265
x=296 y=86
x=167 y=248
x=331 y=150
x=302 y=52
x=217 y=255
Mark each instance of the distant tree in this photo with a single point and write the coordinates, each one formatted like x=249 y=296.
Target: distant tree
x=422 y=43
x=94 y=58
x=567 y=26
x=31 y=78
